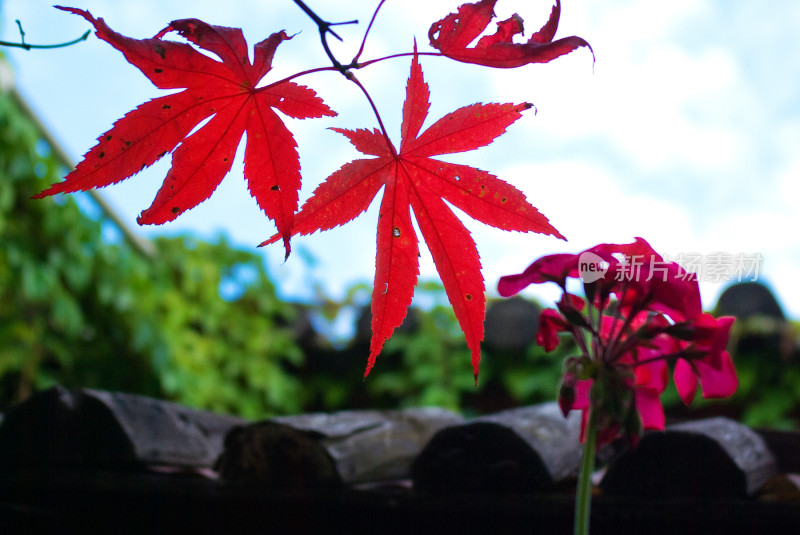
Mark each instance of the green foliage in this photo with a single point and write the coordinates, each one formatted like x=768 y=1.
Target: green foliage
x=80 y=311
x=429 y=365
x=51 y=258
x=534 y=376
x=769 y=373
x=230 y=356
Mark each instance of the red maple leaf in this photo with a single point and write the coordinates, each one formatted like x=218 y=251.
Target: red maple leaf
x=452 y=34
x=410 y=177
x=223 y=89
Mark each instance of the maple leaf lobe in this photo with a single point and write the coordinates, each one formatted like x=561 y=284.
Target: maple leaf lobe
x=224 y=91
x=452 y=35
x=413 y=181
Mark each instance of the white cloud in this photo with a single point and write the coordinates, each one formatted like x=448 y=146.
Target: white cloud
x=587 y=206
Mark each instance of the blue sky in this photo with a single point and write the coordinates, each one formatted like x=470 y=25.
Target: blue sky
x=686 y=131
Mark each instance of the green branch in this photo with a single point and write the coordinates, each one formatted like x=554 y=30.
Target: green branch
x=26 y=46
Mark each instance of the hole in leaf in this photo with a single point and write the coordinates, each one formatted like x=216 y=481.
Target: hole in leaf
x=396 y=232
x=175 y=210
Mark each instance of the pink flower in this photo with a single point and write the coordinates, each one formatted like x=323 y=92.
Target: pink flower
x=553 y=268
x=714 y=370
x=646 y=388
x=641 y=384
x=651 y=381
x=665 y=286
x=625 y=347
x=637 y=275
x=550 y=324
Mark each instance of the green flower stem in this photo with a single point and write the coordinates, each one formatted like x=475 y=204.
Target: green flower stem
x=583 y=498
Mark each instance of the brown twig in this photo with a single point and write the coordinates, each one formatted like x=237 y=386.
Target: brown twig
x=325 y=29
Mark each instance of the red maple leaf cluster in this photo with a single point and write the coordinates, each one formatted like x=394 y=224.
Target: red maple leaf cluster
x=227 y=92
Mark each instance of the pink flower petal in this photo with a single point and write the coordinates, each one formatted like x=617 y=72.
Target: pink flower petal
x=652 y=376
x=685 y=381
x=582 y=390
x=648 y=403
x=712 y=336
x=552 y=268
x=718 y=383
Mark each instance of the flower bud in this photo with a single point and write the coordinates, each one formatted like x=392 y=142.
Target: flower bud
x=566 y=397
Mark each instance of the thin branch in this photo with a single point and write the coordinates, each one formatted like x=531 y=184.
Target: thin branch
x=393 y=56
x=324 y=29
x=364 y=40
x=26 y=46
x=352 y=78
x=21 y=31
x=324 y=26
x=295 y=75
x=352 y=66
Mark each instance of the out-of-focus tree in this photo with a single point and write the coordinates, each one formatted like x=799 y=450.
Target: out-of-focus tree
x=80 y=306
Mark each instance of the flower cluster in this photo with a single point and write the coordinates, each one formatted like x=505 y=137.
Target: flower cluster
x=628 y=330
